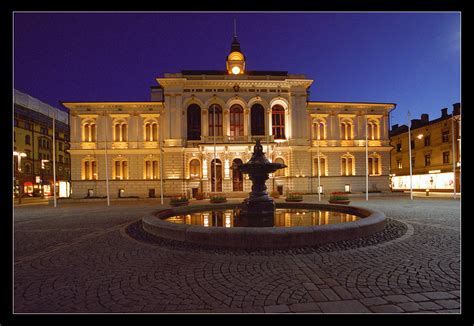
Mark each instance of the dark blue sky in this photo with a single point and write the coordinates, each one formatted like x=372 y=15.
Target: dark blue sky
x=412 y=59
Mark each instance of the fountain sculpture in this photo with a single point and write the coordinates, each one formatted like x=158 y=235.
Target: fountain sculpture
x=259 y=208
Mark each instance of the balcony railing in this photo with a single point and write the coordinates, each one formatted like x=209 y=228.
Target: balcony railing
x=235 y=139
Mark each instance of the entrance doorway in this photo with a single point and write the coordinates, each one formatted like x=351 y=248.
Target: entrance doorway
x=216 y=179
x=237 y=178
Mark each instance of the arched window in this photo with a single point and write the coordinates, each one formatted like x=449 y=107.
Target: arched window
x=278 y=122
x=215 y=114
x=374 y=165
x=257 y=117
x=120 y=131
x=194 y=122
x=27 y=140
x=322 y=167
x=280 y=172
x=319 y=130
x=373 y=130
x=89 y=131
x=236 y=120
x=89 y=169
x=120 y=169
x=194 y=169
x=346 y=130
x=347 y=165
x=151 y=131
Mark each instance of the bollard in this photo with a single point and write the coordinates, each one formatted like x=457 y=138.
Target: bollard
x=427 y=192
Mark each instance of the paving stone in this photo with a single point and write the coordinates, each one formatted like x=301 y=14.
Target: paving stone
x=428 y=305
x=346 y=306
x=397 y=298
x=318 y=296
x=438 y=295
x=276 y=309
x=330 y=294
x=417 y=297
x=386 y=309
x=343 y=293
x=410 y=306
x=373 y=301
x=305 y=307
x=449 y=304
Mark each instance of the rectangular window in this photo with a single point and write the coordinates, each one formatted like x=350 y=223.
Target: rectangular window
x=60 y=159
x=148 y=169
x=118 y=170
x=155 y=169
x=445 y=136
x=399 y=164
x=413 y=162
x=427 y=160
x=94 y=170
x=427 y=141
x=87 y=170
x=399 y=147
x=60 y=146
x=322 y=166
x=412 y=144
x=445 y=157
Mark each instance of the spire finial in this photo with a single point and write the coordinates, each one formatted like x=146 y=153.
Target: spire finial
x=235 y=27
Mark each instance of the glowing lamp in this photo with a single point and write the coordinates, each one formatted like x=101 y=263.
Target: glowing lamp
x=235 y=70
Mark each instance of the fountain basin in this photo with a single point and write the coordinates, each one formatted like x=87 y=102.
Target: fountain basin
x=370 y=222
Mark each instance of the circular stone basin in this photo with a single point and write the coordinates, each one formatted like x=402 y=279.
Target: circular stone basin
x=296 y=225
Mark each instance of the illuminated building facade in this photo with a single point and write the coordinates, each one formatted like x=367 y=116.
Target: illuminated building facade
x=433 y=150
x=33 y=136
x=208 y=122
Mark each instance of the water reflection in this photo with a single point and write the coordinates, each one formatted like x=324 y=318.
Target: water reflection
x=283 y=218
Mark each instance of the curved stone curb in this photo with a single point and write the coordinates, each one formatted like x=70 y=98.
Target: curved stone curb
x=265 y=237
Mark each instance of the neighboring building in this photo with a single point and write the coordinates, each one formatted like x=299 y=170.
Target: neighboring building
x=209 y=120
x=33 y=136
x=434 y=153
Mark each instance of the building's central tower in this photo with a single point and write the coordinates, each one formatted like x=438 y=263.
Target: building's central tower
x=235 y=60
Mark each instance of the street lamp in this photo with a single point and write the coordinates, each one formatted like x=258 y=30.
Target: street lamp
x=19 y=155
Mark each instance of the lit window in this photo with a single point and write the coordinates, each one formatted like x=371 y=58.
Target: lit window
x=194 y=169
x=347 y=165
x=278 y=122
x=322 y=167
x=236 y=121
x=215 y=120
x=280 y=172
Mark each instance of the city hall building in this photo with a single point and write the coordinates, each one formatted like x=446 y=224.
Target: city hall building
x=199 y=124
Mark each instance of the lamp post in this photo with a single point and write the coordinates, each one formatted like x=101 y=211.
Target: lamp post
x=19 y=155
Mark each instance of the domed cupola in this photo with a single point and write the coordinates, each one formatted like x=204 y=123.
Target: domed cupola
x=236 y=59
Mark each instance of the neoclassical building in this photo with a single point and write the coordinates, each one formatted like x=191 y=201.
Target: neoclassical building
x=198 y=124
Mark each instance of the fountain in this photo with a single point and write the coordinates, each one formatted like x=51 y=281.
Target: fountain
x=259 y=208
x=257 y=222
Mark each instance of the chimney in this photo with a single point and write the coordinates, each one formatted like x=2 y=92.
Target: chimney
x=444 y=112
x=456 y=108
x=415 y=123
x=425 y=117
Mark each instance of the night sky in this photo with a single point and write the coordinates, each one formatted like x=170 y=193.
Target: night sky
x=411 y=59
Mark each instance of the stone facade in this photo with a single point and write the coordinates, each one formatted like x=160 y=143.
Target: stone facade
x=246 y=105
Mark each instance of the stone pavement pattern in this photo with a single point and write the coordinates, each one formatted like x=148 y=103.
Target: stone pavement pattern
x=78 y=258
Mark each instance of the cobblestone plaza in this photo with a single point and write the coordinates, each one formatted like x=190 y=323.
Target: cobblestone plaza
x=81 y=257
